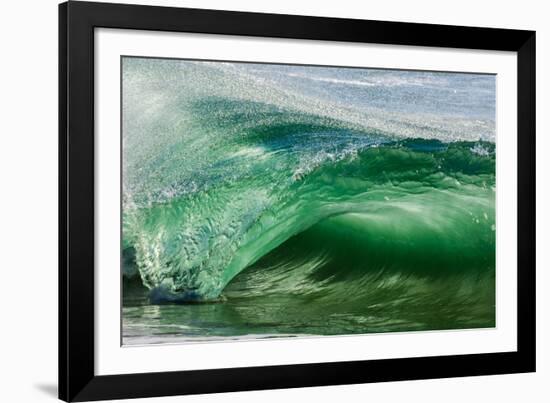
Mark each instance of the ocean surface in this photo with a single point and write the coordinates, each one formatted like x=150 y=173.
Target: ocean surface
x=268 y=201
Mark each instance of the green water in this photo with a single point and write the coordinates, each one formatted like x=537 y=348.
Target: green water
x=276 y=213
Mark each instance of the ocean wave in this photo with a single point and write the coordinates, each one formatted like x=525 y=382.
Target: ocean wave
x=192 y=246
x=227 y=178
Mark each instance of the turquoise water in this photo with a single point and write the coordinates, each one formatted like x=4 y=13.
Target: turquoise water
x=277 y=201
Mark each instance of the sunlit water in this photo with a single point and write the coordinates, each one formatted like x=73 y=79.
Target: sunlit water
x=276 y=201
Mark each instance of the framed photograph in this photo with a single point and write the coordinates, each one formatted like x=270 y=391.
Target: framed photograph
x=257 y=201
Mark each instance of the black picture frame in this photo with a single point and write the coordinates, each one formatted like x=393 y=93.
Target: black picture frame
x=77 y=379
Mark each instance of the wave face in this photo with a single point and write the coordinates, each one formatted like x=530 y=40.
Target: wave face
x=247 y=181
